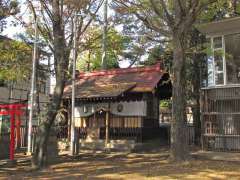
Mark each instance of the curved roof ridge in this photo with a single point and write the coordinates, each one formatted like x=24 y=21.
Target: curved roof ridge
x=155 y=68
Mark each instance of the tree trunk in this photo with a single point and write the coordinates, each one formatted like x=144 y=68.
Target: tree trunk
x=179 y=144
x=40 y=151
x=234 y=6
x=196 y=97
x=61 y=61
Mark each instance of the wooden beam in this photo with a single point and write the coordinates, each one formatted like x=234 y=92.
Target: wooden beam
x=18 y=125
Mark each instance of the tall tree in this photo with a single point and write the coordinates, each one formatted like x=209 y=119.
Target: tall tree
x=56 y=28
x=173 y=19
x=91 y=52
x=141 y=38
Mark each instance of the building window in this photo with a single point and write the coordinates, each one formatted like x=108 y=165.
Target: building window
x=218 y=67
x=216 y=62
x=210 y=75
x=224 y=60
x=232 y=56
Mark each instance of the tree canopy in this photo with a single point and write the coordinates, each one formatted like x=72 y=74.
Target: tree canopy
x=15 y=60
x=90 y=57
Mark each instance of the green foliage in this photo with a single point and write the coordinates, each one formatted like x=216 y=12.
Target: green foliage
x=91 y=56
x=141 y=39
x=160 y=54
x=207 y=48
x=15 y=60
x=166 y=103
x=220 y=9
x=155 y=54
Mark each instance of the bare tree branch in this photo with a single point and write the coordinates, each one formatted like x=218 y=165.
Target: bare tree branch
x=169 y=18
x=48 y=11
x=152 y=26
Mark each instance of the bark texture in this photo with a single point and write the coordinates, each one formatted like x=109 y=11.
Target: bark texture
x=196 y=96
x=179 y=144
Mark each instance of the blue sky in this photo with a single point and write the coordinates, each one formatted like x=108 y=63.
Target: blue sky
x=11 y=30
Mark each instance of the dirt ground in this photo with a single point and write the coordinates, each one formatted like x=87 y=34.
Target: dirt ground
x=113 y=166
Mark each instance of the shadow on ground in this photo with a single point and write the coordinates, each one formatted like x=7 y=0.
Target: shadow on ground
x=141 y=165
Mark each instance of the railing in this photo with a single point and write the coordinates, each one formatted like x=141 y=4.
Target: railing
x=115 y=133
x=123 y=133
x=22 y=142
x=220 y=142
x=63 y=132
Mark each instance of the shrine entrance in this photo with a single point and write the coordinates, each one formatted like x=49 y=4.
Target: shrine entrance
x=10 y=122
x=95 y=124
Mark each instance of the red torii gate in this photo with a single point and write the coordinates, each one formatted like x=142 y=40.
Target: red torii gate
x=13 y=110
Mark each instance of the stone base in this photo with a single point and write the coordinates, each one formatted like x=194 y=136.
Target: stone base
x=113 y=145
x=90 y=144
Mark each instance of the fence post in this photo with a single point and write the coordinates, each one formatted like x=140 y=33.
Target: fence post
x=201 y=118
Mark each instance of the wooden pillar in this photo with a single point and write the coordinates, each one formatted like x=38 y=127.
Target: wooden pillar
x=18 y=125
x=107 y=126
x=12 y=137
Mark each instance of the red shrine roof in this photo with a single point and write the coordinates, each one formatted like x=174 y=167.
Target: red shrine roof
x=115 y=82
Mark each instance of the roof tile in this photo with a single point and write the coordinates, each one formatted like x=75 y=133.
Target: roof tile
x=112 y=83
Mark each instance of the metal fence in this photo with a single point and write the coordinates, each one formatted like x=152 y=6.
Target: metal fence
x=221 y=119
